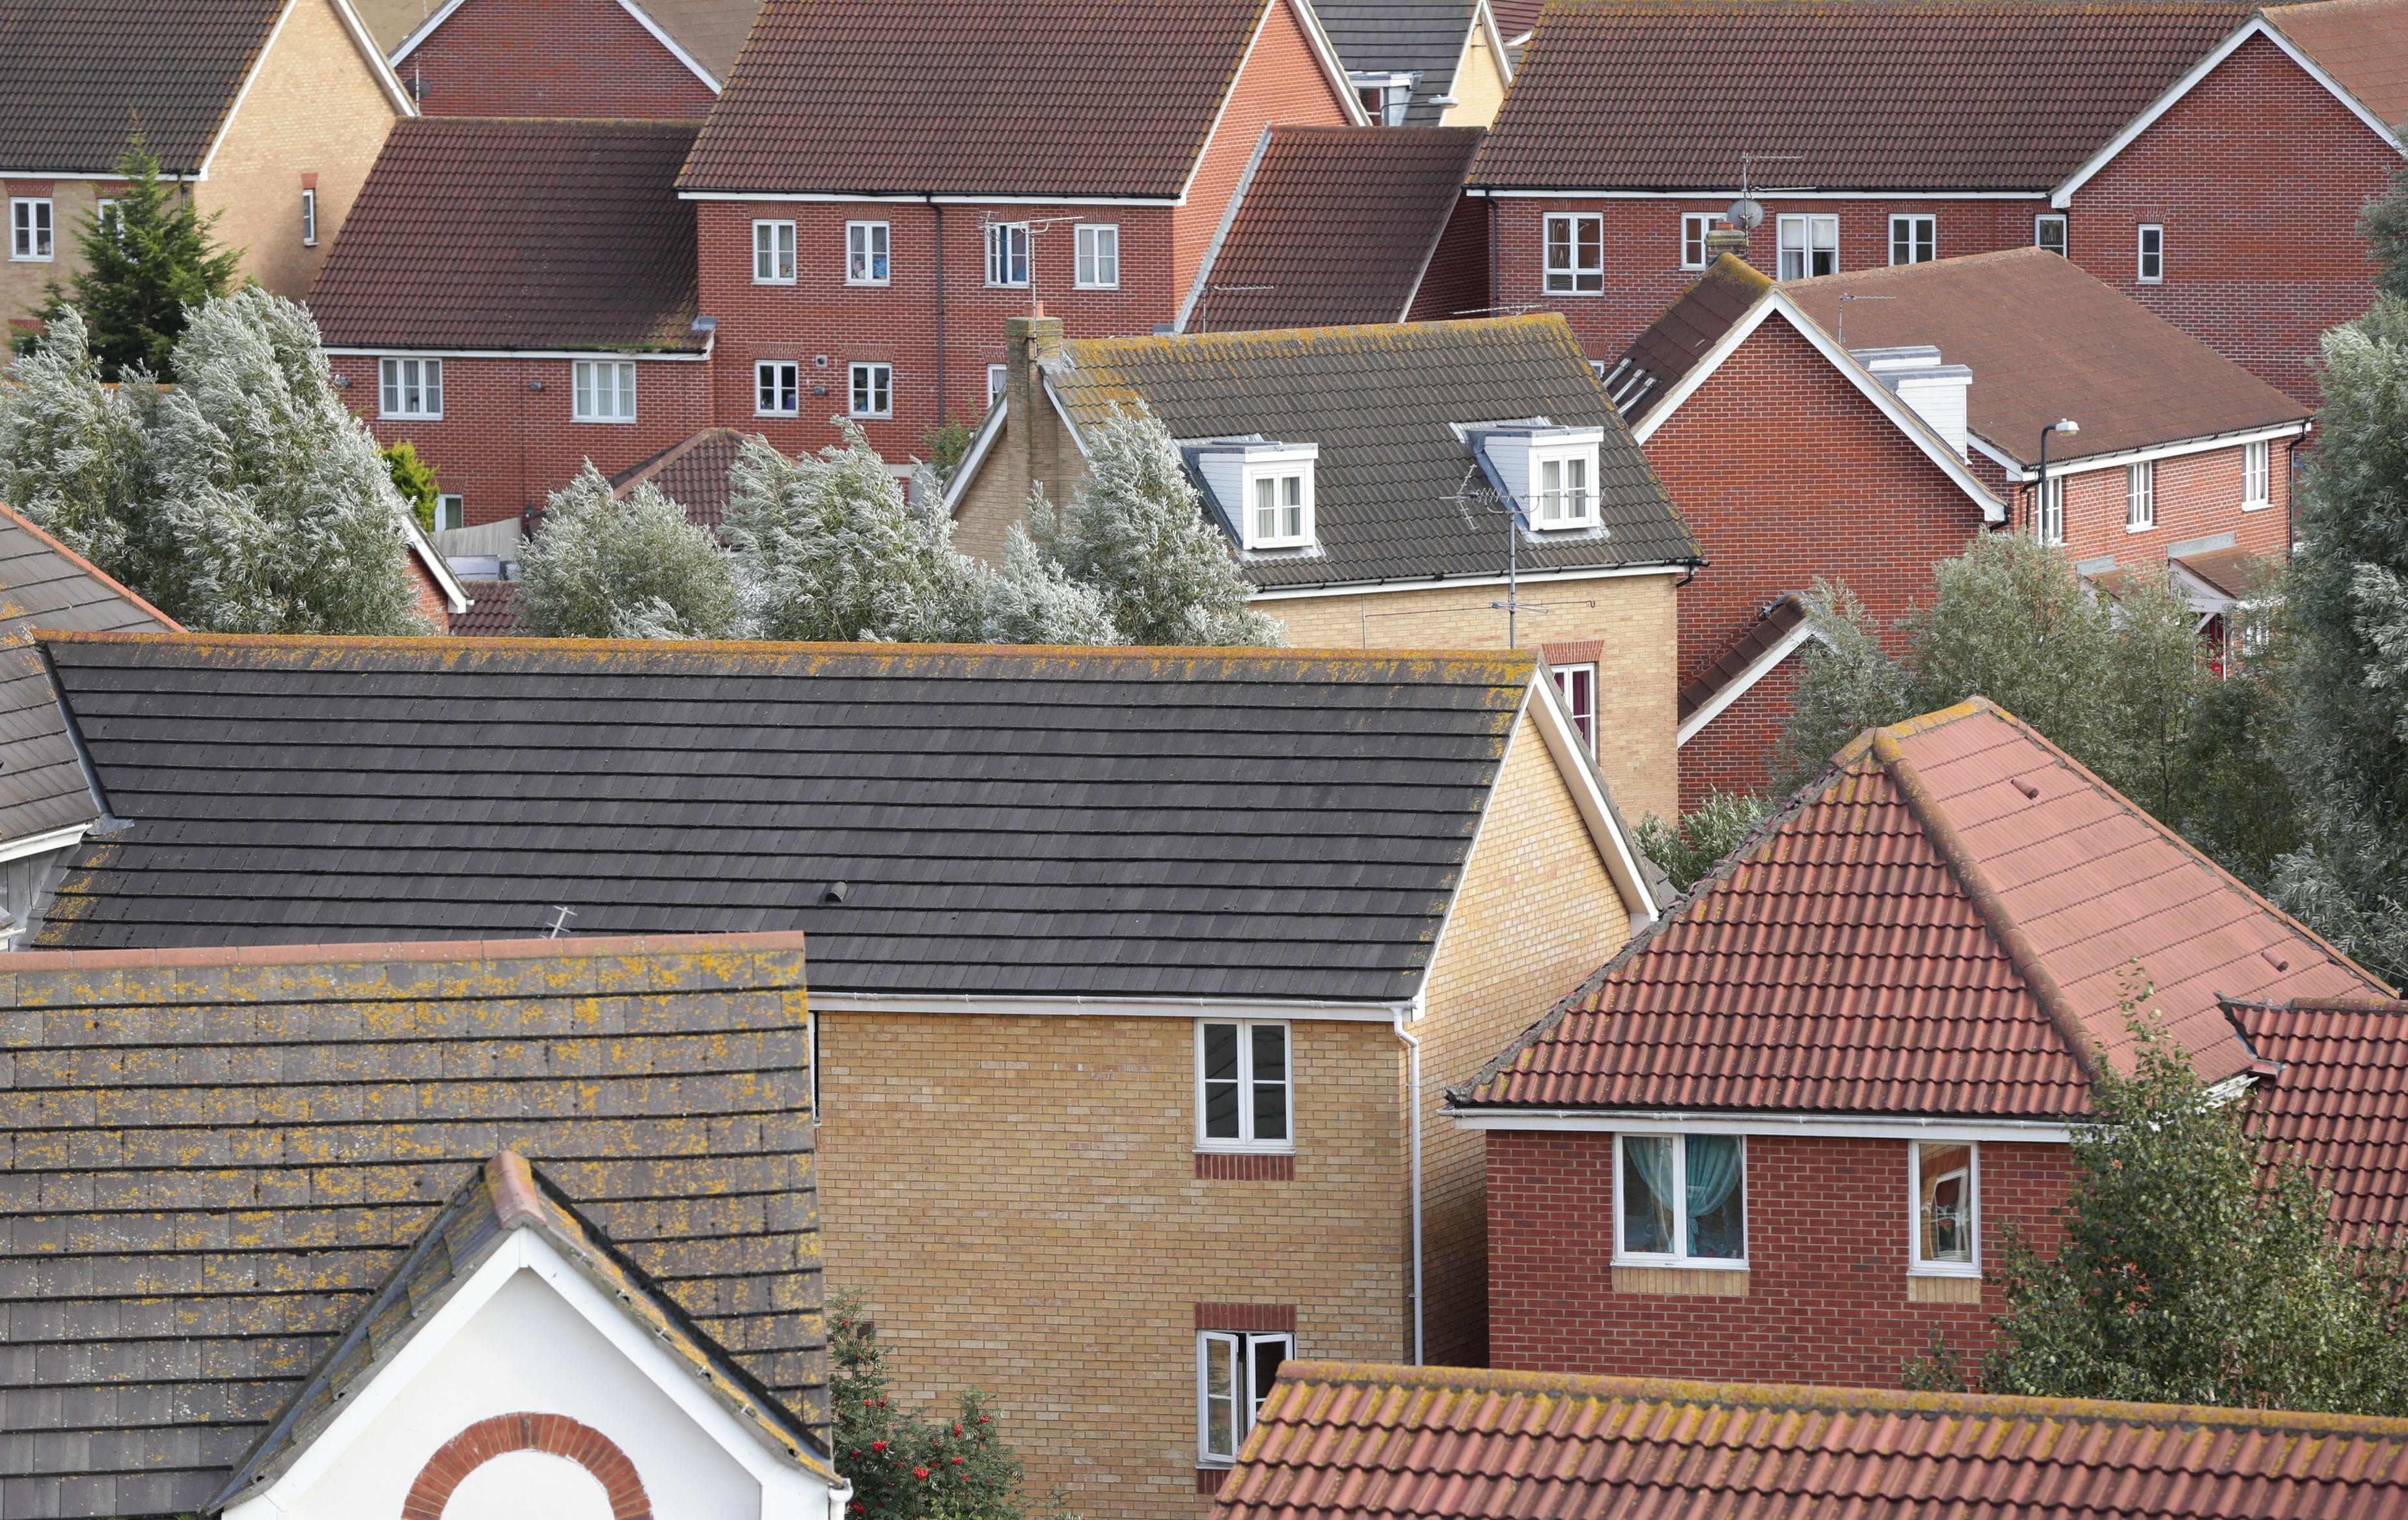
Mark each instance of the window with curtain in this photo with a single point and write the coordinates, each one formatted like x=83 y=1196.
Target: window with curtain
x=1943 y=1187
x=1680 y=1199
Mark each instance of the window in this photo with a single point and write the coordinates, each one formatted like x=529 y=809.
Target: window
x=1577 y=682
x=451 y=512
x=1694 y=227
x=2256 y=475
x=1575 y=255
x=1100 y=255
x=412 y=387
x=1914 y=239
x=865 y=253
x=2048 y=232
x=1242 y=1091
x=1280 y=510
x=2140 y=497
x=773 y=253
x=1562 y=497
x=873 y=390
x=1007 y=254
x=1942 y=1184
x=308 y=218
x=1810 y=246
x=605 y=391
x=1681 y=1200
x=1234 y=1373
x=29 y=221
x=997 y=375
x=777 y=387
x=2153 y=254
x=2051 y=512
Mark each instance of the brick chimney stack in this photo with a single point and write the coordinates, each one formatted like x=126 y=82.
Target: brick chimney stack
x=1033 y=433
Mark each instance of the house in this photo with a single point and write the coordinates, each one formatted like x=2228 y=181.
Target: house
x=632 y=58
x=1343 y=226
x=1849 y=1131
x=1401 y=455
x=2153 y=145
x=885 y=181
x=554 y=326
x=413 y=1229
x=1355 y=1442
x=1135 y=973
x=270 y=110
x=692 y=472
x=1421 y=62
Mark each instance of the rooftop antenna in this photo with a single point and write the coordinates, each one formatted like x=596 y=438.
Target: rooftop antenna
x=1204 y=303
x=1488 y=499
x=1747 y=213
x=560 y=917
x=1845 y=296
x=988 y=219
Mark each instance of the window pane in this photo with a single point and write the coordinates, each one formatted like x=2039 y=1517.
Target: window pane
x=1267 y=1353
x=1271 y=1082
x=390 y=377
x=1946 y=1207
x=434 y=387
x=1221 y=1395
x=1646 y=1192
x=1715 y=1204
x=1221 y=1082
x=1266 y=519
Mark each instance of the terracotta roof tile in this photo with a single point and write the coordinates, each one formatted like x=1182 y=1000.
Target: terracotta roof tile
x=2341 y=1098
x=493 y=611
x=478 y=234
x=1335 y=1441
x=78 y=78
x=692 y=472
x=2363 y=44
x=1893 y=94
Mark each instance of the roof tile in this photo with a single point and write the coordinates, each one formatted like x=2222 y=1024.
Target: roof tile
x=77 y=80
x=2340 y=1100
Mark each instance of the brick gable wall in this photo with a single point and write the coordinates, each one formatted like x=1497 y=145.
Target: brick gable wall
x=1734 y=752
x=567 y=58
x=1455 y=285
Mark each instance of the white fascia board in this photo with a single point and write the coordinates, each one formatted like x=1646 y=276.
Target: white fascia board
x=361 y=39
x=1763 y=666
x=1808 y=1126
x=1709 y=194
x=1589 y=794
x=661 y=36
x=44 y=842
x=1464 y=582
x=913 y=197
x=1488 y=21
x=518 y=353
x=1333 y=72
x=1220 y=233
x=2058 y=469
x=225 y=123
x=426 y=29
x=1005 y=1007
x=990 y=428
x=455 y=595
x=1069 y=425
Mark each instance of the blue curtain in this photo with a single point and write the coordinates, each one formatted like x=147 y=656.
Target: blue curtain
x=1647 y=1223
x=1714 y=1175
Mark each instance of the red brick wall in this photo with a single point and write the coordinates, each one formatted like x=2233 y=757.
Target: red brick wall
x=1734 y=752
x=1826 y=1231
x=552 y=58
x=2256 y=175
x=2196 y=496
x=1455 y=285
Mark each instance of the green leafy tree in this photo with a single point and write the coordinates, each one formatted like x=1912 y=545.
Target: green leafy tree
x=1846 y=683
x=1687 y=851
x=946 y=445
x=600 y=567
x=77 y=456
x=414 y=478
x=144 y=263
x=2383 y=222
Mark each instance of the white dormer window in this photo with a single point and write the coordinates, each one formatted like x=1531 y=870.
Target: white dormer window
x=1563 y=495
x=1277 y=513
x=1266 y=487
x=1550 y=472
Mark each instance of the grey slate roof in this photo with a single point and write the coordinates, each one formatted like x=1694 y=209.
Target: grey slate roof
x=78 y=78
x=216 y=1159
x=1402 y=36
x=45 y=585
x=1380 y=400
x=1139 y=822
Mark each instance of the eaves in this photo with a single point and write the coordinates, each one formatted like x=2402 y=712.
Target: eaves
x=2034 y=1131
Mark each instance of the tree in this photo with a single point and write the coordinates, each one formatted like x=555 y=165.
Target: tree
x=2383 y=223
x=1697 y=844
x=2237 y=1296
x=600 y=567
x=147 y=262
x=831 y=550
x=77 y=456
x=1846 y=683
x=1136 y=532
x=414 y=478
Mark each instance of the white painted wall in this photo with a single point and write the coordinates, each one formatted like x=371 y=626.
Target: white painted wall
x=529 y=1485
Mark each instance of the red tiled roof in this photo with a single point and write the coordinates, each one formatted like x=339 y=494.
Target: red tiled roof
x=1335 y=1441
x=2339 y=1098
x=478 y=234
x=1907 y=95
x=1939 y=925
x=692 y=472
x=1337 y=226
x=1734 y=660
x=493 y=611
x=1005 y=97
x=2363 y=44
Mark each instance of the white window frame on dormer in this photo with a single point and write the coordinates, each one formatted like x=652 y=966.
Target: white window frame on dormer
x=2256 y=475
x=1916 y=1266
x=1008 y=255
x=1284 y=491
x=1563 y=488
x=868 y=253
x=773 y=253
x=32 y=229
x=410 y=389
x=1098 y=253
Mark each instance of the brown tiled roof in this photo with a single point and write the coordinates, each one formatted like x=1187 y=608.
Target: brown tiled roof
x=493 y=611
x=1337 y=226
x=78 y=78
x=2363 y=44
x=2340 y=1097
x=1733 y=660
x=1872 y=95
x=2231 y=571
x=1005 y=97
x=1920 y=933
x=692 y=472
x=217 y=1156
x=1335 y=1441
x=1674 y=342
x=2046 y=339
x=476 y=234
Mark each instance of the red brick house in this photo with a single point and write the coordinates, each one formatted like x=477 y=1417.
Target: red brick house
x=1049 y=153
x=2207 y=160
x=1719 y=1157
x=646 y=59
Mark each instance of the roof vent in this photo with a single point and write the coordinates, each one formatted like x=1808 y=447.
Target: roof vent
x=2275 y=961
x=1933 y=391
x=837 y=892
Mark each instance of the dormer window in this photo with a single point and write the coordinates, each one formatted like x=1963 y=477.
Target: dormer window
x=1265 y=487
x=1550 y=472
x=1279 y=510
x=1563 y=499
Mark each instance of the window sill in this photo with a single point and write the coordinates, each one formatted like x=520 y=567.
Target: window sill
x=1239 y=1148
x=1682 y=1281
x=758 y=281
x=868 y=285
x=604 y=422
x=1245 y=1166
x=2255 y=505
x=2140 y=527
x=1931 y=1288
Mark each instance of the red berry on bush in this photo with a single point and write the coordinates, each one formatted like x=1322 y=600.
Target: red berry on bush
x=920 y=1473
x=878 y=1445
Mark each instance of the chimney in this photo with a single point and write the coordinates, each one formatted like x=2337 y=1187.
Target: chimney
x=1726 y=239
x=1032 y=348
x=1933 y=391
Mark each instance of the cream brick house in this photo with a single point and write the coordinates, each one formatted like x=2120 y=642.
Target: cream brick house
x=1136 y=974
x=272 y=111
x=1411 y=466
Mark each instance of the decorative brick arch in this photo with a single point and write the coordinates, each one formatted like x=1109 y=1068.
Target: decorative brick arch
x=556 y=1434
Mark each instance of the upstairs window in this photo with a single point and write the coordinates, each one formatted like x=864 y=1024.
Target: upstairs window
x=451 y=512
x=29 y=220
x=1243 y=1092
x=2256 y=475
x=2140 y=497
x=873 y=390
x=997 y=377
x=603 y=390
x=773 y=253
x=865 y=252
x=2152 y=253
x=1694 y=227
x=1681 y=1201
x=1100 y=255
x=309 y=218
x=1235 y=1372
x=1575 y=255
x=1943 y=1178
x=1578 y=684
x=777 y=388
x=1562 y=498
x=2048 y=232
x=1914 y=239
x=1007 y=254
x=1810 y=246
x=411 y=388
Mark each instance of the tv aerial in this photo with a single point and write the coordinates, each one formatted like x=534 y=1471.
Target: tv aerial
x=1747 y=213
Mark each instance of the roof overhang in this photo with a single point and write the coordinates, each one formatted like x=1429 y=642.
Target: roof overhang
x=924 y=197
x=2057 y=1131
x=1482 y=578
x=1727 y=192
x=661 y=36
x=455 y=595
x=437 y=351
x=1072 y=1007
x=1573 y=759
x=2058 y=469
x=1333 y=73
x=1739 y=685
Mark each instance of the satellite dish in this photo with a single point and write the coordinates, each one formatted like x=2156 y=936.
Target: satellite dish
x=1744 y=214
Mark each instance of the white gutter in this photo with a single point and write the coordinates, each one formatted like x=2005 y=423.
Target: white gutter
x=643 y=356
x=991 y=1006
x=42 y=843
x=1814 y=1126
x=1482 y=580
x=1413 y=1088
x=2024 y=474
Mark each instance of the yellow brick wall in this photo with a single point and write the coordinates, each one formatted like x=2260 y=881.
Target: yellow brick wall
x=22 y=281
x=1479 y=86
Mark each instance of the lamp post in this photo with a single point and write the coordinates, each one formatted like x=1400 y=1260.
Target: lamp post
x=2039 y=514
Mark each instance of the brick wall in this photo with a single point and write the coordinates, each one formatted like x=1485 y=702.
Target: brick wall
x=2196 y=496
x=1455 y=285
x=1827 y=1282
x=586 y=58
x=1734 y=752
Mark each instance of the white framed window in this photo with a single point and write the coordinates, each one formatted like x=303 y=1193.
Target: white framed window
x=997 y=375
x=1563 y=489
x=2048 y=232
x=2140 y=497
x=410 y=387
x=1578 y=683
x=451 y=512
x=2152 y=253
x=308 y=217
x=1575 y=255
x=2256 y=475
x=1100 y=255
x=29 y=224
x=1279 y=510
x=1694 y=227
x=865 y=252
x=2052 y=511
x=104 y=211
x=773 y=253
x=1914 y=239
x=777 y=387
x=603 y=390
x=1680 y=1201
x=1245 y=1089
x=1235 y=1370
x=873 y=390
x=1007 y=254
x=1943 y=1183
x=1810 y=246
